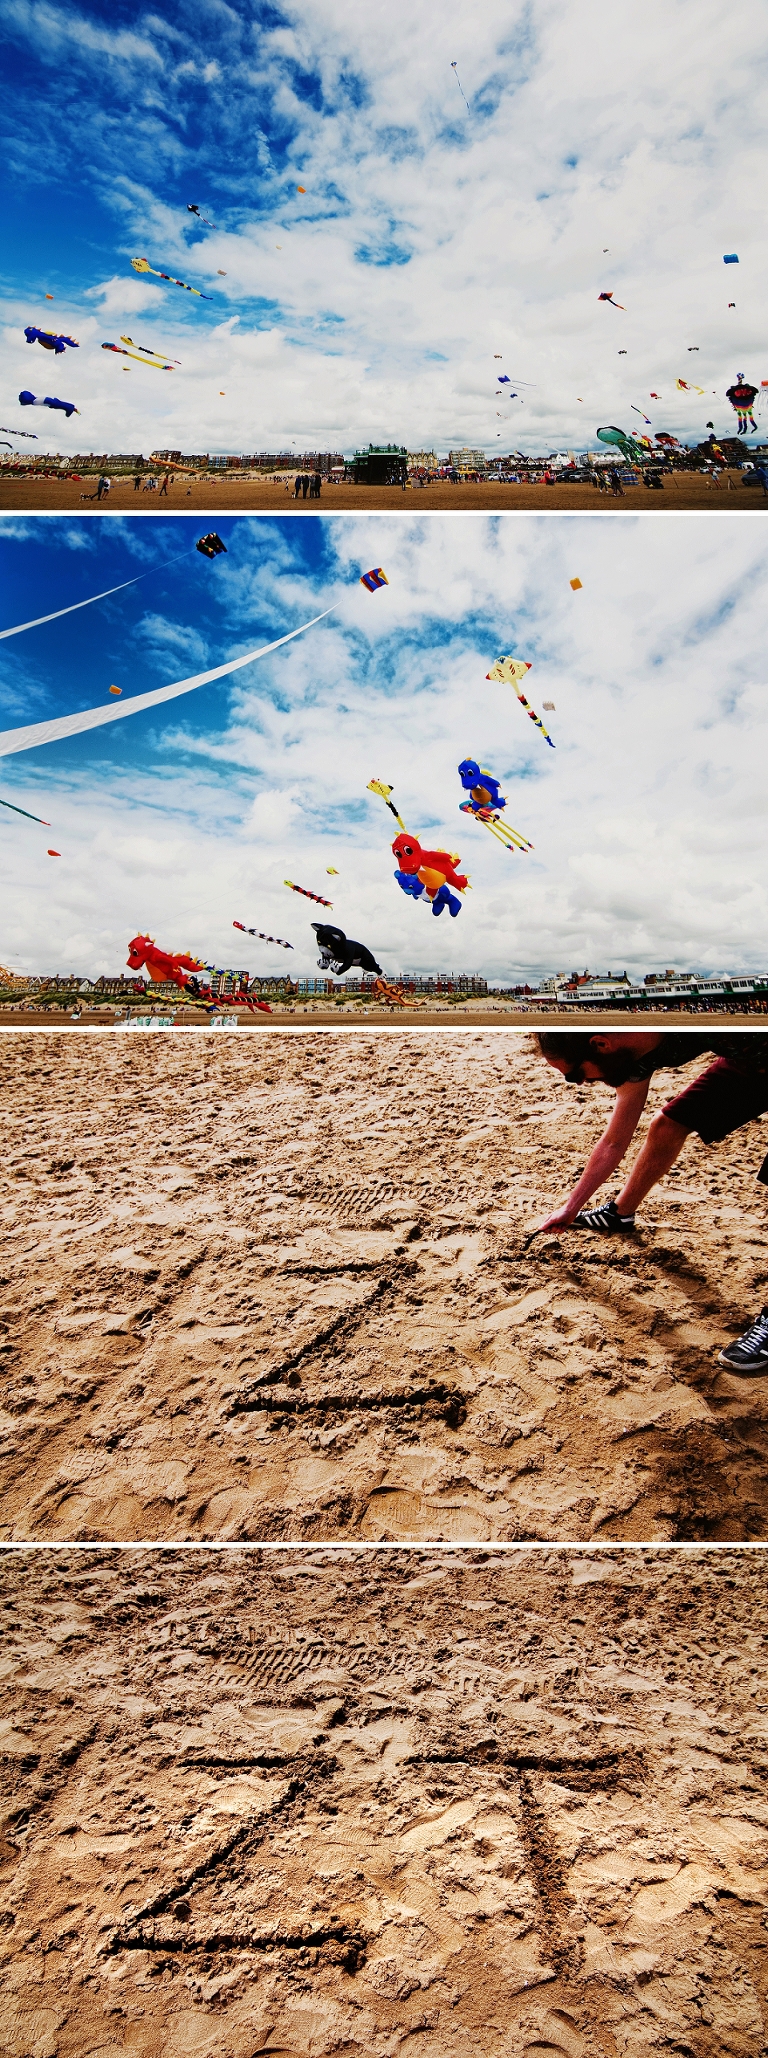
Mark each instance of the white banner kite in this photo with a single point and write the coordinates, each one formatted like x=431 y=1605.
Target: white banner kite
x=39 y=619
x=36 y=733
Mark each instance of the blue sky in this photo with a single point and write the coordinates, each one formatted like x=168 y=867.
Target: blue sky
x=648 y=818
x=609 y=149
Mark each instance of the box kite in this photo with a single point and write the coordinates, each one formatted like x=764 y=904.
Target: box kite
x=338 y=953
x=510 y=670
x=374 y=579
x=49 y=342
x=32 y=400
x=211 y=546
x=140 y=265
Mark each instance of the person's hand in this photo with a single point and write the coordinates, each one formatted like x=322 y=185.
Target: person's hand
x=561 y=1219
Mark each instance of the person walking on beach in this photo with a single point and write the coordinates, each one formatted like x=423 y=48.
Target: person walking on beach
x=732 y=1091
x=164 y=487
x=137 y=482
x=104 y=487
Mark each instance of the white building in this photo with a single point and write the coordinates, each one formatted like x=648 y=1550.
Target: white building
x=467 y=460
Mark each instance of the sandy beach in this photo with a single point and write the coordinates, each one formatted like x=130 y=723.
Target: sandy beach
x=279 y=1288
x=683 y=490
x=262 y=1803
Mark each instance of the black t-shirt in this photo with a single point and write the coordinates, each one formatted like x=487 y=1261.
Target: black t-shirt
x=745 y=1051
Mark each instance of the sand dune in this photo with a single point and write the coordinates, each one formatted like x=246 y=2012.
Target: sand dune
x=389 y=1802
x=277 y=1287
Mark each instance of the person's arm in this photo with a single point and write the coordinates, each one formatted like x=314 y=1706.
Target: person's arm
x=607 y=1154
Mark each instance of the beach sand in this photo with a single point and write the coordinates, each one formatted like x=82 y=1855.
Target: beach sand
x=262 y=1287
x=375 y=1803
x=683 y=490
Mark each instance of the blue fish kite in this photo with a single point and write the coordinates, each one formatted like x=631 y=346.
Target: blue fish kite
x=31 y=400
x=49 y=342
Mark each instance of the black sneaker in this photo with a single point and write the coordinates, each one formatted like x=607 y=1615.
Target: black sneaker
x=750 y=1352
x=606 y=1218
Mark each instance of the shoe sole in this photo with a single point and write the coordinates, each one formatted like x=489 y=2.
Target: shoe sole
x=746 y=1371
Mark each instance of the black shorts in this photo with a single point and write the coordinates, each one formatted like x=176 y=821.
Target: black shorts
x=719 y=1101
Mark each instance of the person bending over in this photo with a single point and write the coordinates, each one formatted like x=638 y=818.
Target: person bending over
x=731 y=1091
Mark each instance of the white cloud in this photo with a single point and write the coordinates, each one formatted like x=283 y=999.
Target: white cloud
x=635 y=131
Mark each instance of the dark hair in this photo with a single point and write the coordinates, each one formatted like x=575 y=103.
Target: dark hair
x=567 y=1043
x=614 y=1067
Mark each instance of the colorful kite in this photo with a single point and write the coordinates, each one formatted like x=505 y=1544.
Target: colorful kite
x=640 y=411
x=182 y=971
x=49 y=342
x=382 y=989
x=733 y=259
x=263 y=938
x=53 y=853
x=307 y=895
x=684 y=387
x=576 y=584
x=140 y=265
x=34 y=733
x=192 y=209
x=23 y=811
x=374 y=579
x=429 y=871
x=26 y=433
x=338 y=953
x=510 y=670
x=628 y=445
x=147 y=351
x=158 y=364
x=333 y=871
x=116 y=690
x=742 y=397
x=614 y=303
x=385 y=792
x=31 y=400
x=485 y=801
